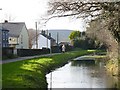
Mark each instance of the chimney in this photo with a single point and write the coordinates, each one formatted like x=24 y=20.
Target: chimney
x=6 y=21
x=49 y=34
x=43 y=32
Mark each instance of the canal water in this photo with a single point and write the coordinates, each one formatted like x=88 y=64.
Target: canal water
x=81 y=74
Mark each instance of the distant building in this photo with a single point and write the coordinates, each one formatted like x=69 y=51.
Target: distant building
x=43 y=41
x=65 y=43
x=18 y=34
x=60 y=35
x=4 y=37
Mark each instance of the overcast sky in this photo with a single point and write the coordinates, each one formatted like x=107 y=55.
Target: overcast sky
x=30 y=11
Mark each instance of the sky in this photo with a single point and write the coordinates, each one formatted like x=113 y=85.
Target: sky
x=30 y=11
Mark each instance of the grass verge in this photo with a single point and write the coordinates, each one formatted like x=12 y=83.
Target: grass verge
x=31 y=73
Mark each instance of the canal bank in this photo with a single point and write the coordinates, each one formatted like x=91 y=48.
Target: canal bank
x=31 y=73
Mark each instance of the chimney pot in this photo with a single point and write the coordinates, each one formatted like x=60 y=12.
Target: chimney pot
x=6 y=21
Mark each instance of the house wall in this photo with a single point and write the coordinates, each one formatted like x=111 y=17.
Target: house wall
x=23 y=40
x=53 y=43
x=33 y=46
x=42 y=42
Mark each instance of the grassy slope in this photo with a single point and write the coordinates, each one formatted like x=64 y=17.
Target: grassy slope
x=31 y=73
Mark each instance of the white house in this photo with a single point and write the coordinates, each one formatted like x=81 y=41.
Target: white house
x=18 y=34
x=43 y=41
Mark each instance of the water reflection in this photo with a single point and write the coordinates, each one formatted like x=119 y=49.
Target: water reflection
x=83 y=63
x=81 y=74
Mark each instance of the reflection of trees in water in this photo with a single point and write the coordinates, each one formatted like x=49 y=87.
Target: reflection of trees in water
x=96 y=70
x=83 y=63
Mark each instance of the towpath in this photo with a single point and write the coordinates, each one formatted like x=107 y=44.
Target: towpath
x=25 y=58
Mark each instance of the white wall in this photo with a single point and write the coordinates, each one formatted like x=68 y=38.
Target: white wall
x=42 y=42
x=33 y=46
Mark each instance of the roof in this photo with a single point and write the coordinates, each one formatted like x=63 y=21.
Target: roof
x=14 y=28
x=3 y=29
x=48 y=37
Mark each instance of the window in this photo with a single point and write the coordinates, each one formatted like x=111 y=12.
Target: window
x=13 y=39
x=3 y=45
x=3 y=39
x=10 y=39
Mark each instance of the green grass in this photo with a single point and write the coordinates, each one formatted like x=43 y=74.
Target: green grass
x=31 y=73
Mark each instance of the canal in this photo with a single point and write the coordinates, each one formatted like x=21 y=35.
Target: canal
x=81 y=74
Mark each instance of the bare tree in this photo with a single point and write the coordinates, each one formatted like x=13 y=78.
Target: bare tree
x=80 y=8
x=99 y=29
x=92 y=10
x=86 y=9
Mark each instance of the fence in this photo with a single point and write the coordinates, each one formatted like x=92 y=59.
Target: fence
x=31 y=52
x=56 y=49
x=7 y=52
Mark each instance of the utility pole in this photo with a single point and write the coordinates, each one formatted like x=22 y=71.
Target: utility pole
x=47 y=39
x=36 y=36
x=57 y=38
